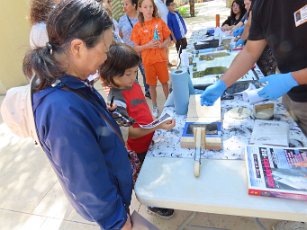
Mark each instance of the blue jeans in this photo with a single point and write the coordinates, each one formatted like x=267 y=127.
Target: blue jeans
x=144 y=78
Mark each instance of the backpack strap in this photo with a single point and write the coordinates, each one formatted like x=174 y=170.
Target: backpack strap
x=130 y=21
x=30 y=112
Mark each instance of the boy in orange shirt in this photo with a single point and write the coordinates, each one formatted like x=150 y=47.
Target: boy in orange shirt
x=152 y=48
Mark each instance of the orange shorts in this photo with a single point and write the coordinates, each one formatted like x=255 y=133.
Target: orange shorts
x=156 y=71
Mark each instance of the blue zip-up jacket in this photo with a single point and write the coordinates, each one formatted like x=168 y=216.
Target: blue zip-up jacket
x=173 y=25
x=88 y=157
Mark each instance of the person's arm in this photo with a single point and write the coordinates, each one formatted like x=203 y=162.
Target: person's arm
x=173 y=37
x=150 y=45
x=244 y=61
x=165 y=43
x=300 y=76
x=170 y=26
x=225 y=27
x=226 y=22
x=279 y=84
x=120 y=26
x=128 y=225
x=240 y=23
x=135 y=132
x=245 y=33
x=135 y=37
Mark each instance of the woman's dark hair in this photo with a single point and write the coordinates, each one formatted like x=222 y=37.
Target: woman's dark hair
x=135 y=3
x=120 y=58
x=232 y=20
x=241 y=6
x=71 y=19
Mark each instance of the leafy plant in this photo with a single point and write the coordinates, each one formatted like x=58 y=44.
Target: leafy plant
x=184 y=11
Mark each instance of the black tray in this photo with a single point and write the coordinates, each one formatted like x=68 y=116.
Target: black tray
x=207 y=44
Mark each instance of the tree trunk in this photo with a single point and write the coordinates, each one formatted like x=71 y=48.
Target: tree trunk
x=192 y=8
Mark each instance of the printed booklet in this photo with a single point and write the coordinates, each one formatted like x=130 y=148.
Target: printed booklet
x=155 y=123
x=277 y=171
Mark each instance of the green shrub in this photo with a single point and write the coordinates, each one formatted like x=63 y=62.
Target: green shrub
x=184 y=11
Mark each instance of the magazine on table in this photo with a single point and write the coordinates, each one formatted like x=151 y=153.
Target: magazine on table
x=277 y=171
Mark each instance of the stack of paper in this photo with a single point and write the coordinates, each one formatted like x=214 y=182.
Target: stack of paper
x=274 y=133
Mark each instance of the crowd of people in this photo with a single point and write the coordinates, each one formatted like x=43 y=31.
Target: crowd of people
x=72 y=40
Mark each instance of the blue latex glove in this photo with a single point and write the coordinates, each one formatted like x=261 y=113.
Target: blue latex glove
x=240 y=42
x=277 y=85
x=212 y=93
x=238 y=31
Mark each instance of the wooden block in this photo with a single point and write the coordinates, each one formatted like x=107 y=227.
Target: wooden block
x=200 y=136
x=211 y=143
x=213 y=140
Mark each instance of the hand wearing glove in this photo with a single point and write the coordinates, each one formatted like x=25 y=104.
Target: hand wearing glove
x=240 y=42
x=277 y=85
x=238 y=31
x=212 y=93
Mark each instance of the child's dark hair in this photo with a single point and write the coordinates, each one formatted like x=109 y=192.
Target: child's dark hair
x=71 y=19
x=120 y=58
x=168 y=2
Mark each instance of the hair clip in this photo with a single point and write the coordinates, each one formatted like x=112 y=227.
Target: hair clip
x=49 y=47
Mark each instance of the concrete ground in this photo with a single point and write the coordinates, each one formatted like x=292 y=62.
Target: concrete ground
x=32 y=199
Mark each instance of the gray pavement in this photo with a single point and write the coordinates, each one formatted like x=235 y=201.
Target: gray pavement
x=31 y=198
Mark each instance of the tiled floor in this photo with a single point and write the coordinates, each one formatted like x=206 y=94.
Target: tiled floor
x=31 y=198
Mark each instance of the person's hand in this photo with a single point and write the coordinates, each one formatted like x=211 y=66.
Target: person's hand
x=167 y=125
x=224 y=28
x=127 y=225
x=121 y=117
x=112 y=107
x=238 y=31
x=212 y=93
x=153 y=44
x=240 y=42
x=277 y=85
x=301 y=164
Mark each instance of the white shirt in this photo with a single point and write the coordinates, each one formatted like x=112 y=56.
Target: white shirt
x=38 y=35
x=162 y=10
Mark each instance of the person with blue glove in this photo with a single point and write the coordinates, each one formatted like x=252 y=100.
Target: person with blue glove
x=238 y=31
x=240 y=42
x=212 y=93
x=289 y=49
x=237 y=27
x=277 y=85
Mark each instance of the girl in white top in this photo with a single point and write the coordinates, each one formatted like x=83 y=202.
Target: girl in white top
x=39 y=12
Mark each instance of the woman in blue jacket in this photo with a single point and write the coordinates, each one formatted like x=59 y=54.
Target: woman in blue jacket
x=76 y=131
